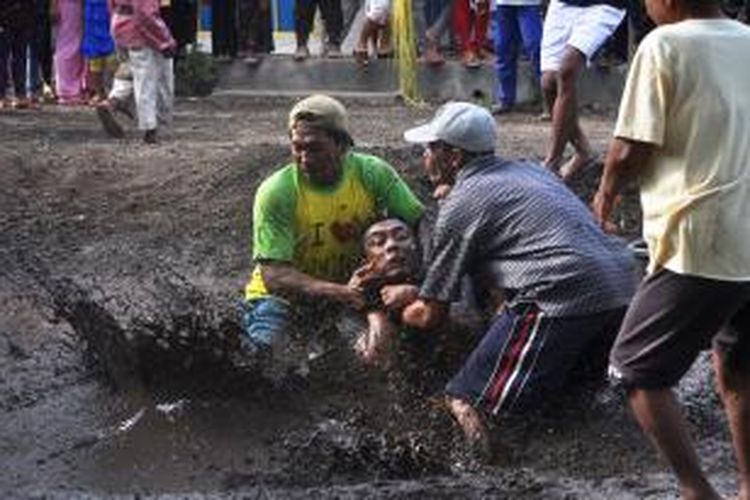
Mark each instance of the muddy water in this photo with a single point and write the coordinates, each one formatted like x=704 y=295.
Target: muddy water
x=118 y=339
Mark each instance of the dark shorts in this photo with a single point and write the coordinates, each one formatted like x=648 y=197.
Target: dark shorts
x=526 y=356
x=671 y=319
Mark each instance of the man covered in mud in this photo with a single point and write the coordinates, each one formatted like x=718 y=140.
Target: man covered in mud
x=682 y=132
x=392 y=259
x=513 y=226
x=308 y=221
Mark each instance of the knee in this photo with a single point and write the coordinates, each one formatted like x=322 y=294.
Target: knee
x=571 y=66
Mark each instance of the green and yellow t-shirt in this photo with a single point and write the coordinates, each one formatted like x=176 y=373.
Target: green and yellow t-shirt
x=318 y=228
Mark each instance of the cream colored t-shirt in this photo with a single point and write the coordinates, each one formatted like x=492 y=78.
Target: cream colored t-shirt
x=688 y=92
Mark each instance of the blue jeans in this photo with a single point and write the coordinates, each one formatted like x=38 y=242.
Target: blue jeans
x=265 y=319
x=515 y=25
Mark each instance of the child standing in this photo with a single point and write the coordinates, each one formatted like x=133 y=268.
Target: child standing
x=97 y=48
x=139 y=30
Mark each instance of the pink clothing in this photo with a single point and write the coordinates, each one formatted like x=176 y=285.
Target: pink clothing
x=69 y=67
x=138 y=24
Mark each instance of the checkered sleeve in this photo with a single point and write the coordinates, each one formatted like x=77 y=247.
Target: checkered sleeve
x=452 y=249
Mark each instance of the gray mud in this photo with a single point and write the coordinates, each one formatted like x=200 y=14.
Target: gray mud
x=121 y=371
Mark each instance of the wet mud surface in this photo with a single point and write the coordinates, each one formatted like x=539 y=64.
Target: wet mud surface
x=120 y=366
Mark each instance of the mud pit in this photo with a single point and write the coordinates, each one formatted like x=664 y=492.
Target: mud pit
x=140 y=252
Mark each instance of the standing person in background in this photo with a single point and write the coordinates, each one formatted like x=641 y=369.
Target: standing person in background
x=16 y=24
x=224 y=28
x=256 y=31
x=682 y=132
x=573 y=31
x=518 y=24
x=98 y=48
x=69 y=66
x=438 y=15
x=183 y=23
x=40 y=54
x=137 y=28
x=470 y=20
x=374 y=31
x=333 y=17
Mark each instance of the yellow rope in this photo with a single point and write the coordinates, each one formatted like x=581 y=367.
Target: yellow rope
x=405 y=46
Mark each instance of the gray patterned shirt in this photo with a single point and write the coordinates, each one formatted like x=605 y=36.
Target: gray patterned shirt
x=517 y=227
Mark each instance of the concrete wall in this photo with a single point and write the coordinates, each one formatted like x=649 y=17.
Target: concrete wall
x=281 y=75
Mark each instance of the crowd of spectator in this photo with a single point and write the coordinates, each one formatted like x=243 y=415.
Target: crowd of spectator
x=74 y=66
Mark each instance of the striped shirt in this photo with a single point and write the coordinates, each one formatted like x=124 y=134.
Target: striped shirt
x=515 y=226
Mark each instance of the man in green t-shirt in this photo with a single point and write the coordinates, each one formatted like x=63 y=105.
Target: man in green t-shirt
x=309 y=217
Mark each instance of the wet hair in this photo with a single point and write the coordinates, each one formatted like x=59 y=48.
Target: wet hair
x=384 y=218
x=340 y=137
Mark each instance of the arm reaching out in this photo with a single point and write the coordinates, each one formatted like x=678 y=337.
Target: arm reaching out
x=284 y=279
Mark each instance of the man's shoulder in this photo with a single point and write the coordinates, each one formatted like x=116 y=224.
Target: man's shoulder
x=365 y=162
x=280 y=183
x=373 y=172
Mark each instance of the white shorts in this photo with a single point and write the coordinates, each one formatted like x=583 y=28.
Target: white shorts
x=378 y=11
x=584 y=28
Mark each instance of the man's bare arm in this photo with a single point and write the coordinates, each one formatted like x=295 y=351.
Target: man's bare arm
x=285 y=280
x=625 y=159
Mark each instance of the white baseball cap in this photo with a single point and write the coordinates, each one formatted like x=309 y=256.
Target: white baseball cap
x=460 y=124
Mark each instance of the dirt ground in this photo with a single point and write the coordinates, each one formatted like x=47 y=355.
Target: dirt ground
x=119 y=268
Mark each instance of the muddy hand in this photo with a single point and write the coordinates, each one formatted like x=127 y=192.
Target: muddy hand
x=603 y=206
x=398 y=296
x=362 y=276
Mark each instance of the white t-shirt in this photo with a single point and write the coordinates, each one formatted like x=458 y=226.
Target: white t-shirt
x=688 y=92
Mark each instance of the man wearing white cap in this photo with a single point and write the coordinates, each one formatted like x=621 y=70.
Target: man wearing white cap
x=308 y=221
x=513 y=226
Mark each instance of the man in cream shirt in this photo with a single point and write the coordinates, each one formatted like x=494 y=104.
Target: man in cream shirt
x=684 y=132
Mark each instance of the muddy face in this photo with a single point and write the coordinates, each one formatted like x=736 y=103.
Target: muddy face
x=317 y=154
x=391 y=248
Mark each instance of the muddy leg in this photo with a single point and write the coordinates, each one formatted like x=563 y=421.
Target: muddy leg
x=658 y=413
x=734 y=388
x=472 y=424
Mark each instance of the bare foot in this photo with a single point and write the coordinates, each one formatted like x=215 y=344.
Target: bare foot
x=471 y=424
x=433 y=57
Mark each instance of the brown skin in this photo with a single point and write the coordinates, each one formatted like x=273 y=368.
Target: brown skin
x=390 y=250
x=559 y=88
x=442 y=163
x=319 y=158
x=657 y=410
